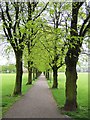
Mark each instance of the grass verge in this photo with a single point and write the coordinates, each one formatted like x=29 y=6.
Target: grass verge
x=82 y=95
x=8 y=82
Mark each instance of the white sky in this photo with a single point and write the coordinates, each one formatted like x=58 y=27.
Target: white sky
x=5 y=60
x=3 y=57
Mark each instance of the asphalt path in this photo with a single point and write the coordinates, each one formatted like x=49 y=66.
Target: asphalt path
x=37 y=103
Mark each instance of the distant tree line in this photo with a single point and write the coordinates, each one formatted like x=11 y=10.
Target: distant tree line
x=8 y=68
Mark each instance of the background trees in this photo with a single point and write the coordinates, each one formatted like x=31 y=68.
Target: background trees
x=32 y=30
x=53 y=39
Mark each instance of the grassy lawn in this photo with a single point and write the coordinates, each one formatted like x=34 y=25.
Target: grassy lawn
x=8 y=82
x=82 y=96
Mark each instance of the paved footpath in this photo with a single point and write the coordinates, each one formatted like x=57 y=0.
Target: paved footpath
x=37 y=103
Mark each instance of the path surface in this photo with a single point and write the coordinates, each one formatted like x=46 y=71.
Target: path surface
x=37 y=103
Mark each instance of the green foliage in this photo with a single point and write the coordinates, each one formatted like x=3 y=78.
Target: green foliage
x=62 y=69
x=8 y=68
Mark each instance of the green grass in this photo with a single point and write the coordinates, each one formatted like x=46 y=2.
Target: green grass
x=8 y=82
x=82 y=95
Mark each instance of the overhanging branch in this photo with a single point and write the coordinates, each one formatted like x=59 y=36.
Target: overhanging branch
x=41 y=11
x=61 y=64
x=83 y=25
x=86 y=29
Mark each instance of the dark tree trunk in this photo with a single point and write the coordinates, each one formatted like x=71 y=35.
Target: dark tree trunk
x=19 y=72
x=29 y=74
x=50 y=76
x=47 y=74
x=34 y=74
x=44 y=73
x=71 y=60
x=40 y=73
x=55 y=76
x=37 y=73
x=71 y=86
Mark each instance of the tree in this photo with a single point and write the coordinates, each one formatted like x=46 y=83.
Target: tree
x=11 y=26
x=71 y=59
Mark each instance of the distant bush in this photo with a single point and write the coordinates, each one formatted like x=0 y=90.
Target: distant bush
x=8 y=68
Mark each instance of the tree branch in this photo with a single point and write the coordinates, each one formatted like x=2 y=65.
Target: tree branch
x=16 y=17
x=80 y=4
x=41 y=11
x=7 y=12
x=83 y=25
x=46 y=49
x=5 y=25
x=86 y=29
x=61 y=64
x=50 y=65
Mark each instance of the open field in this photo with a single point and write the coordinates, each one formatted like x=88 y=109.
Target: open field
x=8 y=82
x=82 y=95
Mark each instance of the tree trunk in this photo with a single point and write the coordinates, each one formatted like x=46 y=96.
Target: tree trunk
x=55 y=75
x=33 y=74
x=71 y=60
x=47 y=74
x=19 y=72
x=71 y=86
x=44 y=72
x=36 y=73
x=29 y=74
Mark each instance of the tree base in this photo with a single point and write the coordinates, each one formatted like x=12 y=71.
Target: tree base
x=34 y=79
x=29 y=83
x=70 y=107
x=54 y=87
x=17 y=94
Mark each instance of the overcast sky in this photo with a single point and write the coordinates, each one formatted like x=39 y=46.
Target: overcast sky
x=3 y=45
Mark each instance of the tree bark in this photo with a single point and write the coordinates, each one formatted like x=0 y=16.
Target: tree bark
x=44 y=72
x=55 y=75
x=19 y=72
x=34 y=74
x=29 y=74
x=71 y=79
x=71 y=60
x=47 y=74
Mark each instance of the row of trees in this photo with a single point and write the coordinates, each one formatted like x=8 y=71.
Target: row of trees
x=58 y=36
x=16 y=18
